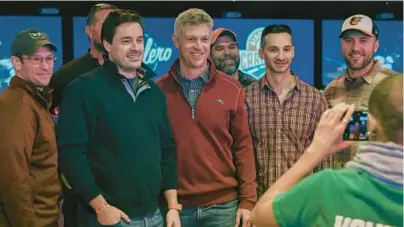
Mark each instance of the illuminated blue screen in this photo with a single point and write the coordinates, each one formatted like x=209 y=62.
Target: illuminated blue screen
x=160 y=51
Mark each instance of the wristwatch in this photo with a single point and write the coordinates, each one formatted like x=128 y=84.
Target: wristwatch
x=175 y=206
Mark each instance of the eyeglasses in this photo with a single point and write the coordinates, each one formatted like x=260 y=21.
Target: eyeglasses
x=38 y=60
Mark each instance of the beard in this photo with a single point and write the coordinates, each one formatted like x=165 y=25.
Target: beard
x=366 y=61
x=227 y=68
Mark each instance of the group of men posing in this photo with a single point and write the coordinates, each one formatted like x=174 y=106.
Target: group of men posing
x=200 y=145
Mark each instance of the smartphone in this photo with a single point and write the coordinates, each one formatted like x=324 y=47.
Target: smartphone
x=357 y=127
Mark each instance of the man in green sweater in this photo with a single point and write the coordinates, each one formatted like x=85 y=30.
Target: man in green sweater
x=368 y=192
x=115 y=142
x=94 y=58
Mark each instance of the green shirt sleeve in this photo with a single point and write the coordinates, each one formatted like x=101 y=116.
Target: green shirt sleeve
x=301 y=205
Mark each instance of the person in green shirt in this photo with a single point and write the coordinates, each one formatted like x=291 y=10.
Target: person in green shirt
x=367 y=192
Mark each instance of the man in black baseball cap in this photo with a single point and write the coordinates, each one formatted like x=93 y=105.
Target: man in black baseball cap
x=29 y=183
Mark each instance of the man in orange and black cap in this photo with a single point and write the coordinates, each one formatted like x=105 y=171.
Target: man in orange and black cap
x=224 y=52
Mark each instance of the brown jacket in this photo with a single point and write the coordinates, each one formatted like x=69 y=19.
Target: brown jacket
x=29 y=182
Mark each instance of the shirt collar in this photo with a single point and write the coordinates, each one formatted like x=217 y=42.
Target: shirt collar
x=204 y=76
x=368 y=77
x=112 y=68
x=95 y=60
x=43 y=96
x=297 y=83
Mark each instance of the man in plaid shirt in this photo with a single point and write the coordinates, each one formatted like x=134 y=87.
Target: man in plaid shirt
x=284 y=110
x=359 y=42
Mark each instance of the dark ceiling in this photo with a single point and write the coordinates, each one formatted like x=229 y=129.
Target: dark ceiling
x=249 y=9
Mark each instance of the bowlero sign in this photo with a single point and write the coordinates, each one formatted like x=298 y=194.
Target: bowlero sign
x=250 y=61
x=155 y=54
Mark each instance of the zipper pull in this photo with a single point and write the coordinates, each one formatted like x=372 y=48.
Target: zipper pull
x=193 y=113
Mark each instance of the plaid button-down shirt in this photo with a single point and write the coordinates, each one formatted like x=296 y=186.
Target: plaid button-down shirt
x=282 y=131
x=192 y=88
x=345 y=89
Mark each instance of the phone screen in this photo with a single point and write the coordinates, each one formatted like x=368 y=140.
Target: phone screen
x=357 y=127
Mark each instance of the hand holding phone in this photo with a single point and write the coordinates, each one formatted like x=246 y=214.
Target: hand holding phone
x=357 y=127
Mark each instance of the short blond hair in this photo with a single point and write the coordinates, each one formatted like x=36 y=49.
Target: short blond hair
x=192 y=16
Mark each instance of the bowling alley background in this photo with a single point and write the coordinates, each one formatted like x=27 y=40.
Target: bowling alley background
x=315 y=27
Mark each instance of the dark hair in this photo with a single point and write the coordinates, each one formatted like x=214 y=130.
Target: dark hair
x=274 y=29
x=386 y=105
x=20 y=57
x=116 y=18
x=96 y=8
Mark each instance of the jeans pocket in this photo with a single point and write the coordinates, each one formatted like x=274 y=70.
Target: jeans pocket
x=121 y=223
x=158 y=212
x=223 y=214
x=230 y=204
x=157 y=219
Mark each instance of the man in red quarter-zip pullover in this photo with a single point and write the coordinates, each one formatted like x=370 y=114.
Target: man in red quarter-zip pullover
x=206 y=109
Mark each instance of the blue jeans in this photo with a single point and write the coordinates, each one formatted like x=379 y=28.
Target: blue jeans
x=89 y=219
x=218 y=215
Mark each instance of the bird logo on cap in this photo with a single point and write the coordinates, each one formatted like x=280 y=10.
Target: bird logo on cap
x=355 y=20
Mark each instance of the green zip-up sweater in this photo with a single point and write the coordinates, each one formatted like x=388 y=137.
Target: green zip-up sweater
x=116 y=141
